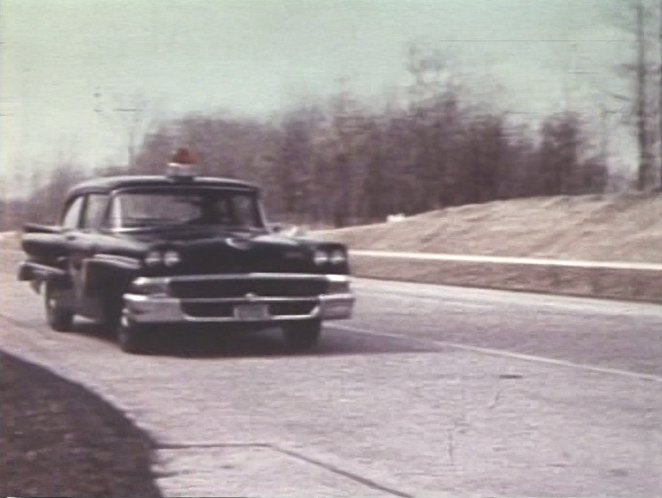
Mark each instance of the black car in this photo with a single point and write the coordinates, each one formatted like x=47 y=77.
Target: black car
x=140 y=252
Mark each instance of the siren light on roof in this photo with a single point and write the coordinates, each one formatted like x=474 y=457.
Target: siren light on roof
x=183 y=156
x=182 y=165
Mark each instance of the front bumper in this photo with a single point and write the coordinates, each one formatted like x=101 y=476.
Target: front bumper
x=159 y=307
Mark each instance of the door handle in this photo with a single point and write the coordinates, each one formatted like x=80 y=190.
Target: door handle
x=70 y=236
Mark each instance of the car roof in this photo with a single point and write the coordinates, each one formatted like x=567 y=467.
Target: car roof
x=110 y=183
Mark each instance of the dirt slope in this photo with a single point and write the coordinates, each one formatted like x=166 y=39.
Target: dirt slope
x=597 y=227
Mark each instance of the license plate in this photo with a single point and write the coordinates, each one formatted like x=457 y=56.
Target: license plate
x=251 y=312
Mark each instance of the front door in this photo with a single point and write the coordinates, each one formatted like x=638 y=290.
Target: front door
x=81 y=236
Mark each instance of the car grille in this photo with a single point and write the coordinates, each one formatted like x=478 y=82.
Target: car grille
x=239 y=287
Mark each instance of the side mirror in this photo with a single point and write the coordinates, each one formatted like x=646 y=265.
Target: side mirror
x=275 y=227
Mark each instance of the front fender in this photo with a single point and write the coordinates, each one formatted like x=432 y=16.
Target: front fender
x=109 y=274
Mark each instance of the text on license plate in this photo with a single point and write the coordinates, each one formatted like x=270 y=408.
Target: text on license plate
x=251 y=311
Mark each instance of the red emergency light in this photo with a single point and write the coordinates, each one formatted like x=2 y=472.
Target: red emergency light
x=182 y=165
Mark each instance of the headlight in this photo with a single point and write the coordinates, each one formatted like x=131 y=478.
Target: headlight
x=320 y=257
x=153 y=258
x=338 y=256
x=171 y=258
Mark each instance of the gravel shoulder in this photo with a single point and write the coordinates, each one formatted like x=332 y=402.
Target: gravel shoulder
x=59 y=439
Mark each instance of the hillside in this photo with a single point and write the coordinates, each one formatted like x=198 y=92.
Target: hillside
x=624 y=227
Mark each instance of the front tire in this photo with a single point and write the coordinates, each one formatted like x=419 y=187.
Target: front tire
x=301 y=336
x=59 y=318
x=131 y=337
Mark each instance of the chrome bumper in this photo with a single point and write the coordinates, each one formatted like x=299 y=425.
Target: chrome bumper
x=162 y=308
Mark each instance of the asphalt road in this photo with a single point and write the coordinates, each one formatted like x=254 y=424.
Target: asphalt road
x=429 y=391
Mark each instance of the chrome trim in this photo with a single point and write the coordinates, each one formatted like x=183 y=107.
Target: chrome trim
x=140 y=281
x=148 y=309
x=337 y=278
x=336 y=306
x=115 y=259
x=247 y=299
x=162 y=308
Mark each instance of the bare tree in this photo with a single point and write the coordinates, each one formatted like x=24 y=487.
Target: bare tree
x=63 y=176
x=294 y=161
x=134 y=113
x=338 y=162
x=645 y=169
x=637 y=23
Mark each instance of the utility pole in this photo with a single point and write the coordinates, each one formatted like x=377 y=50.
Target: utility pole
x=131 y=145
x=132 y=126
x=659 y=83
x=605 y=138
x=644 y=170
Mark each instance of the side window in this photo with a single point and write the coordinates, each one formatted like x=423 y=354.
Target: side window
x=244 y=211
x=94 y=210
x=116 y=211
x=71 y=216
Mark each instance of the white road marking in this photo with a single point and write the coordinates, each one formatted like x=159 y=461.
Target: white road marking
x=508 y=354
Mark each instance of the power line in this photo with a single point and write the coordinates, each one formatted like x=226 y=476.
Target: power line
x=527 y=40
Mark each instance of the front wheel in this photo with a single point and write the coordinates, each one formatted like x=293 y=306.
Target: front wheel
x=131 y=337
x=59 y=318
x=300 y=336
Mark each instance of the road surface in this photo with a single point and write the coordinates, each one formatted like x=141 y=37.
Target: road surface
x=428 y=391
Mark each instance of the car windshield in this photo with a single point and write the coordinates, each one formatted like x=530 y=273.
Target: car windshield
x=185 y=207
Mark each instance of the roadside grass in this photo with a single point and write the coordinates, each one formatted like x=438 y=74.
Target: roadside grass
x=58 y=439
x=626 y=227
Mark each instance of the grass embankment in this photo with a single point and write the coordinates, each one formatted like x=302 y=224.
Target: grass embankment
x=624 y=228
x=58 y=439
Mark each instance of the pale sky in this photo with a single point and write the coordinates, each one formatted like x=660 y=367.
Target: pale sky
x=66 y=66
